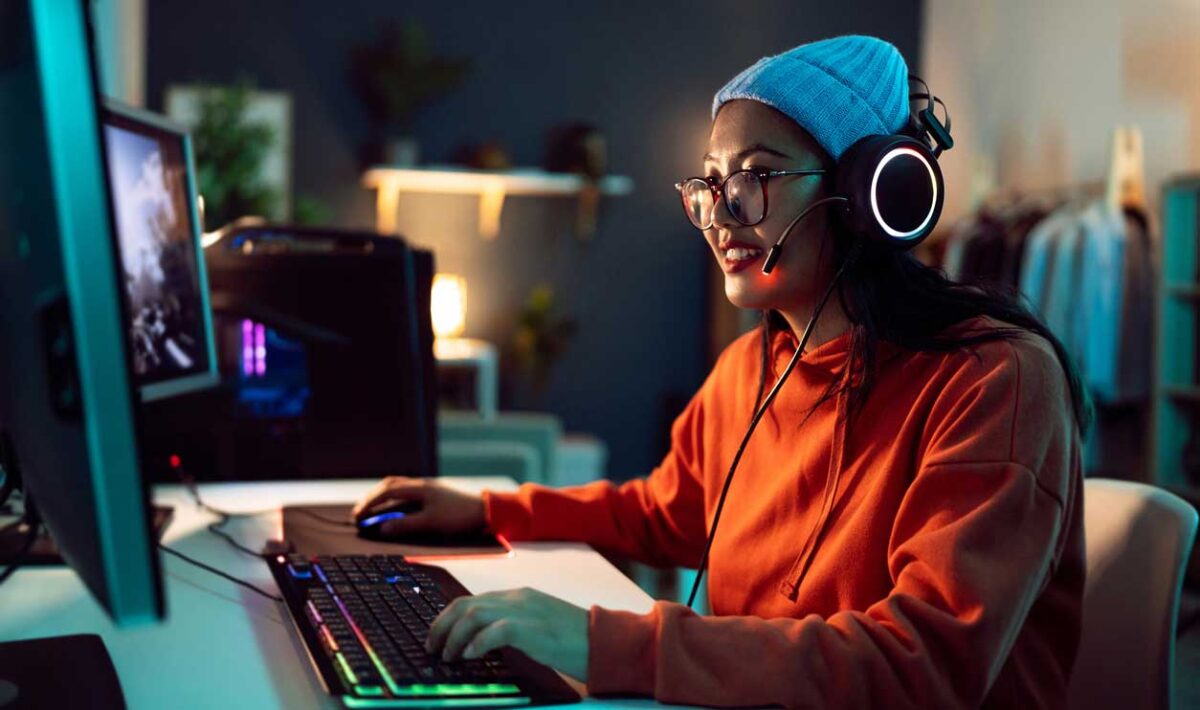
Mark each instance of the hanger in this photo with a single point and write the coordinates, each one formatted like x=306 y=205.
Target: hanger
x=1126 y=188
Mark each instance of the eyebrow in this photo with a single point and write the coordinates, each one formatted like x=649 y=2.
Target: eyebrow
x=745 y=152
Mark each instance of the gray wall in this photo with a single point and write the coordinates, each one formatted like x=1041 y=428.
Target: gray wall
x=643 y=72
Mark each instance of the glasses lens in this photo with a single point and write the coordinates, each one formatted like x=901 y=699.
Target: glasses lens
x=698 y=202
x=744 y=197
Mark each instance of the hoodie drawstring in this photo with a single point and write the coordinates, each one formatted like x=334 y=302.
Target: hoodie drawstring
x=790 y=585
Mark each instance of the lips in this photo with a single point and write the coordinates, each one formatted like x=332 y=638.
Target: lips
x=737 y=256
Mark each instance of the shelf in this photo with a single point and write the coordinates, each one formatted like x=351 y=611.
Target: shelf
x=1177 y=400
x=492 y=186
x=1184 y=290
x=526 y=181
x=1183 y=393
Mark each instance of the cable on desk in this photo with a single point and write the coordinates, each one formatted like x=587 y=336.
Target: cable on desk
x=215 y=529
x=219 y=573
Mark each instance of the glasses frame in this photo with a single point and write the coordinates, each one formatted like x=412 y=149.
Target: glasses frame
x=717 y=187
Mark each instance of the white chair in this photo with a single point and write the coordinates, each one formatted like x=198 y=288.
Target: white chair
x=1138 y=541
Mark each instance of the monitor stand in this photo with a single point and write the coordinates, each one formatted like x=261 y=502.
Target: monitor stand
x=59 y=672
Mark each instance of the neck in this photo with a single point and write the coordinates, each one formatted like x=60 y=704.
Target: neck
x=830 y=324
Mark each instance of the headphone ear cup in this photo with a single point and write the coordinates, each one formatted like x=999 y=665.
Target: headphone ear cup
x=895 y=190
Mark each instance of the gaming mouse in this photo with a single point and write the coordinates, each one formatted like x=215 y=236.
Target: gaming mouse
x=371 y=526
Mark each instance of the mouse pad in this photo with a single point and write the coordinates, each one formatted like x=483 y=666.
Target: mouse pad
x=319 y=530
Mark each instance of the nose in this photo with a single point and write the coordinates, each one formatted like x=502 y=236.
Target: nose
x=721 y=217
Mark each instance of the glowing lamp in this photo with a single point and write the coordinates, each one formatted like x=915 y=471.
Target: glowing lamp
x=449 y=305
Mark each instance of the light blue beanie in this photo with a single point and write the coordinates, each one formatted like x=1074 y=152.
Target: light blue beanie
x=839 y=90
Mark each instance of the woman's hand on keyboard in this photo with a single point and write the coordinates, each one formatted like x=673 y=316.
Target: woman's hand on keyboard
x=442 y=509
x=545 y=628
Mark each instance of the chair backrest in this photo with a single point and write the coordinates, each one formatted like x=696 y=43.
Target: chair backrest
x=1138 y=541
x=536 y=430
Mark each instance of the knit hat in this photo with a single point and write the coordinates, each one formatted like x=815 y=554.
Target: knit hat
x=839 y=90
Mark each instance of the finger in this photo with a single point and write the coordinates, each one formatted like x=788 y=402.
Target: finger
x=444 y=622
x=398 y=491
x=492 y=637
x=404 y=524
x=469 y=624
x=398 y=494
x=381 y=491
x=372 y=495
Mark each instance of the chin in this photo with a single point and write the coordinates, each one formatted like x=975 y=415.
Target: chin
x=752 y=293
x=746 y=296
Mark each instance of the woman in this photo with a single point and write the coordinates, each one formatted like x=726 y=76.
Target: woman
x=905 y=527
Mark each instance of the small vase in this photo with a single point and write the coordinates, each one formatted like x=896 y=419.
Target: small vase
x=402 y=152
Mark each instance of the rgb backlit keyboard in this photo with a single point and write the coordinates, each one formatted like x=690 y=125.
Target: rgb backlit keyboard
x=364 y=620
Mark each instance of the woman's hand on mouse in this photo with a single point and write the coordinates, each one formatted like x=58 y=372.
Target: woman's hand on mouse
x=443 y=509
x=545 y=628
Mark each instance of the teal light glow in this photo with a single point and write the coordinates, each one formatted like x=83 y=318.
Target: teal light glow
x=352 y=702
x=458 y=689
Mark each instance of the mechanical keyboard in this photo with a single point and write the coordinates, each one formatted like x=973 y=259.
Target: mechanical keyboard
x=364 y=620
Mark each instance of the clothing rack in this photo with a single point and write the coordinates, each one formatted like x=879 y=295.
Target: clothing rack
x=1124 y=185
x=1086 y=257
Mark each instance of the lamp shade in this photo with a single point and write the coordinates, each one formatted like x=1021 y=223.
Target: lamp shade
x=449 y=305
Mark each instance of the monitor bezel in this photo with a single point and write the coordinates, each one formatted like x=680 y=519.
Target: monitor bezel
x=211 y=376
x=64 y=83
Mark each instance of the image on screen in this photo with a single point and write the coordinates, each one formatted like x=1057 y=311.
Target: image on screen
x=148 y=175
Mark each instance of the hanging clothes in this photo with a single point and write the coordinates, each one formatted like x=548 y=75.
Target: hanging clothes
x=984 y=251
x=1117 y=313
x=989 y=246
x=1089 y=270
x=1139 y=315
x=1041 y=248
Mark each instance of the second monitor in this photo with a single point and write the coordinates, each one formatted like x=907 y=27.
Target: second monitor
x=150 y=169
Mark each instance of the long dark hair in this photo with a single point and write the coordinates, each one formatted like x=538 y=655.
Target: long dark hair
x=891 y=296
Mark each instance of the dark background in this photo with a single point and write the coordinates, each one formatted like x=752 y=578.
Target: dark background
x=643 y=73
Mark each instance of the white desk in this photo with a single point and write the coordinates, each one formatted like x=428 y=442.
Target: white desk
x=224 y=646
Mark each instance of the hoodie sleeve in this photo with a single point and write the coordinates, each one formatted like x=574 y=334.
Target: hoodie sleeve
x=658 y=520
x=974 y=542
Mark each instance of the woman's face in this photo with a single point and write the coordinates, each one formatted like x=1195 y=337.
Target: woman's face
x=749 y=134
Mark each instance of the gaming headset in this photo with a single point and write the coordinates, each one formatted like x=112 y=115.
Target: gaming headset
x=891 y=185
x=891 y=190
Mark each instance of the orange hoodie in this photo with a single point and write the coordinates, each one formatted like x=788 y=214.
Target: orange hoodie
x=930 y=554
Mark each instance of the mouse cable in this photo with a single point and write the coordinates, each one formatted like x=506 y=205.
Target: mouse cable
x=215 y=529
x=219 y=573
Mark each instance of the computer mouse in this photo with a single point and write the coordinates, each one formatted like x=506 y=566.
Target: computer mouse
x=371 y=527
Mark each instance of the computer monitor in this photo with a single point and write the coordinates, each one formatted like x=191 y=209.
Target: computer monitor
x=67 y=386
x=151 y=174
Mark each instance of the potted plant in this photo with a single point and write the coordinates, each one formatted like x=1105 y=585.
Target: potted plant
x=541 y=337
x=396 y=76
x=230 y=150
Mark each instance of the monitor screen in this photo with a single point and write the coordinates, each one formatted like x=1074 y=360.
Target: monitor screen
x=156 y=229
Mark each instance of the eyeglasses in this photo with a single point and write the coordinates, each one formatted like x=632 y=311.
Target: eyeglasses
x=745 y=194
